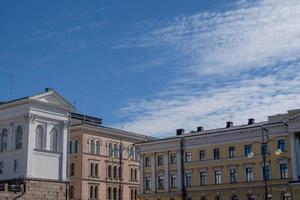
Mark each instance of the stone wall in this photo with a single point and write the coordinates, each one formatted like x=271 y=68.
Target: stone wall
x=37 y=190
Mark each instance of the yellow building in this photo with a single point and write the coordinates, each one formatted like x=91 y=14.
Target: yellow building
x=235 y=162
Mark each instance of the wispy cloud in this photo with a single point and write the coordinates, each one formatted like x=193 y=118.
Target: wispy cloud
x=244 y=61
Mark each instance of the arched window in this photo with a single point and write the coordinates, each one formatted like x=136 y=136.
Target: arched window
x=120 y=173
x=71 y=192
x=116 y=151
x=76 y=146
x=115 y=194
x=92 y=169
x=131 y=194
x=135 y=194
x=3 y=140
x=131 y=174
x=54 y=140
x=110 y=150
x=286 y=196
x=92 y=146
x=135 y=175
x=98 y=147
x=234 y=197
x=19 y=137
x=115 y=172
x=96 y=192
x=72 y=169
x=91 y=192
x=109 y=193
x=120 y=193
x=96 y=169
x=39 y=137
x=71 y=146
x=109 y=171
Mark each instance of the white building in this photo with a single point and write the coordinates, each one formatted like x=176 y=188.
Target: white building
x=34 y=143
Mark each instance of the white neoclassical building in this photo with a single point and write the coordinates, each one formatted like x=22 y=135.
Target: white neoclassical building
x=34 y=145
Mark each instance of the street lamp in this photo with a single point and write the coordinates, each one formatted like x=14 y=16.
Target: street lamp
x=265 y=141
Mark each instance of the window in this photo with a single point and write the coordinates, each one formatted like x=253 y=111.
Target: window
x=216 y=154
x=96 y=192
x=234 y=197
x=92 y=146
x=39 y=140
x=159 y=160
x=120 y=172
x=283 y=169
x=109 y=171
x=188 y=157
x=173 y=181
x=247 y=149
x=91 y=169
x=16 y=165
x=110 y=150
x=218 y=197
x=202 y=178
x=249 y=174
x=91 y=192
x=76 y=146
x=115 y=171
x=148 y=183
x=218 y=178
x=54 y=140
x=266 y=172
x=231 y=152
x=3 y=139
x=160 y=182
x=135 y=175
x=251 y=197
x=98 y=147
x=71 y=192
x=115 y=194
x=202 y=155
x=286 y=196
x=116 y=151
x=108 y=193
x=135 y=194
x=265 y=149
x=1 y=167
x=172 y=158
x=72 y=169
x=281 y=144
x=188 y=179
x=233 y=175
x=147 y=161
x=96 y=169
x=19 y=137
x=131 y=153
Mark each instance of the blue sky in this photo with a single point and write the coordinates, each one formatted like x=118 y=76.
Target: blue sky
x=154 y=66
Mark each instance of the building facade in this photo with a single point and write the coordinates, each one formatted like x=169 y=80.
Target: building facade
x=33 y=147
x=236 y=162
x=104 y=163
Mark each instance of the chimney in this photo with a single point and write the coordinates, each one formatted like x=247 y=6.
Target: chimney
x=179 y=131
x=251 y=121
x=48 y=89
x=229 y=124
x=200 y=128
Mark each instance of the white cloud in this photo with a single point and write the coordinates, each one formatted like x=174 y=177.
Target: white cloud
x=245 y=61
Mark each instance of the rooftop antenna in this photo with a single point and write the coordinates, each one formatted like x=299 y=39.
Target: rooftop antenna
x=11 y=85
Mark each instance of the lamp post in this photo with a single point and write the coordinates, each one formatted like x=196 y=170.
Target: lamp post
x=263 y=144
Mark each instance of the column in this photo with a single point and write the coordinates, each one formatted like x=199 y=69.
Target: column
x=64 y=154
x=179 y=167
x=153 y=179
x=142 y=174
x=294 y=156
x=166 y=171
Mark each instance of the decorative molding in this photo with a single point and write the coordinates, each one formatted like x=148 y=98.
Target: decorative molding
x=32 y=117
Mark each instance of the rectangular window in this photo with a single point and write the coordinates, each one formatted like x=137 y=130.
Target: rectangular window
x=266 y=172
x=249 y=174
x=265 y=149
x=160 y=182
x=160 y=160
x=16 y=165
x=281 y=144
x=216 y=154
x=1 y=167
x=231 y=152
x=173 y=180
x=148 y=183
x=283 y=170
x=188 y=157
x=202 y=155
x=218 y=178
x=188 y=179
x=172 y=158
x=147 y=161
x=247 y=149
x=233 y=175
x=202 y=178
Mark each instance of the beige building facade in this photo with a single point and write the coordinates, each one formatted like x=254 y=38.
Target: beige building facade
x=246 y=162
x=103 y=162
